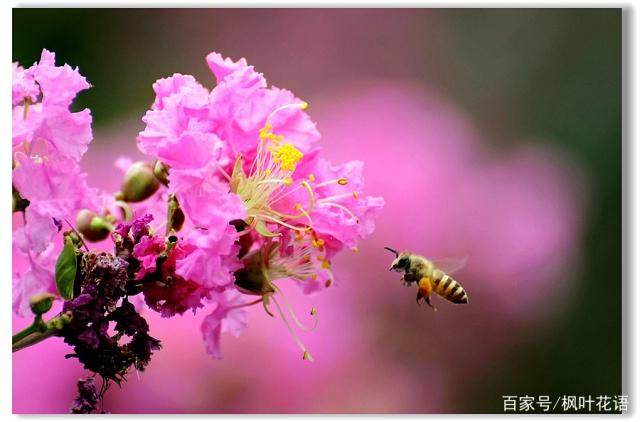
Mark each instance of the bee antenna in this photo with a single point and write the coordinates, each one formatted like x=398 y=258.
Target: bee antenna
x=391 y=250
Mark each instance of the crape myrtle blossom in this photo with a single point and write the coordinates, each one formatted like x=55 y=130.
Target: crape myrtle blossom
x=245 y=171
x=237 y=202
x=48 y=185
x=50 y=191
x=42 y=114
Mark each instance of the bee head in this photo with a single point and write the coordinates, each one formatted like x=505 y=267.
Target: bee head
x=402 y=261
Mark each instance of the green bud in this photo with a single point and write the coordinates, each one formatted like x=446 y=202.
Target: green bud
x=139 y=182
x=161 y=171
x=93 y=227
x=251 y=278
x=175 y=215
x=41 y=303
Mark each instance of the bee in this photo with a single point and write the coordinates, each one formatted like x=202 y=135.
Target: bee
x=429 y=277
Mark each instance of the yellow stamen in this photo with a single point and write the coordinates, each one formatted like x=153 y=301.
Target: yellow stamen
x=342 y=181
x=287 y=156
x=312 y=178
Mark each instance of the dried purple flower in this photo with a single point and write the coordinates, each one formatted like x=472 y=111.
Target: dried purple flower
x=87 y=399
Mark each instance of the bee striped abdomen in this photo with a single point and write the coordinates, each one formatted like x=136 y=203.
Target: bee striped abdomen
x=449 y=289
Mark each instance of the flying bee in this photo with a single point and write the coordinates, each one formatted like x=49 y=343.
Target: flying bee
x=429 y=276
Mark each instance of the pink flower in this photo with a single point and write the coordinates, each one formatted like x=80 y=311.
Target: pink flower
x=179 y=129
x=232 y=155
x=209 y=256
x=206 y=201
x=241 y=105
x=50 y=120
x=146 y=252
x=48 y=142
x=59 y=84
x=37 y=235
x=192 y=268
x=37 y=278
x=229 y=316
x=164 y=290
x=24 y=86
x=342 y=214
x=54 y=187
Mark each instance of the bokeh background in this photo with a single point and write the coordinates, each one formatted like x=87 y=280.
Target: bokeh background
x=492 y=134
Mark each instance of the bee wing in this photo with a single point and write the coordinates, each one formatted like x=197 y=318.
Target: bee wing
x=449 y=265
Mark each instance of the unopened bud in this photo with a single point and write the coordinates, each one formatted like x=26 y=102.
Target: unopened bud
x=175 y=215
x=161 y=171
x=139 y=182
x=177 y=219
x=251 y=279
x=41 y=303
x=92 y=227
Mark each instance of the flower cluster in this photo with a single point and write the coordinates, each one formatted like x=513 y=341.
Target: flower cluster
x=48 y=185
x=237 y=200
x=261 y=205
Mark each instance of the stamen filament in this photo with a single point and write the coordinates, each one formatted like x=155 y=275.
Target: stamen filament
x=336 y=197
x=291 y=330
x=302 y=106
x=293 y=314
x=275 y=220
x=341 y=181
x=342 y=207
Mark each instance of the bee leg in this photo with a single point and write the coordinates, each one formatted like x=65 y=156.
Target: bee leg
x=428 y=300
x=418 y=297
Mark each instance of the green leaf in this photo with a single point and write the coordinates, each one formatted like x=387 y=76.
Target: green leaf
x=66 y=268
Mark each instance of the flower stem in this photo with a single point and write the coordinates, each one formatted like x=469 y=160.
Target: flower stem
x=39 y=330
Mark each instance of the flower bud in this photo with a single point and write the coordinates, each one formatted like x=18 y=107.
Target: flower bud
x=139 y=182
x=92 y=227
x=161 y=171
x=251 y=279
x=175 y=218
x=41 y=303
